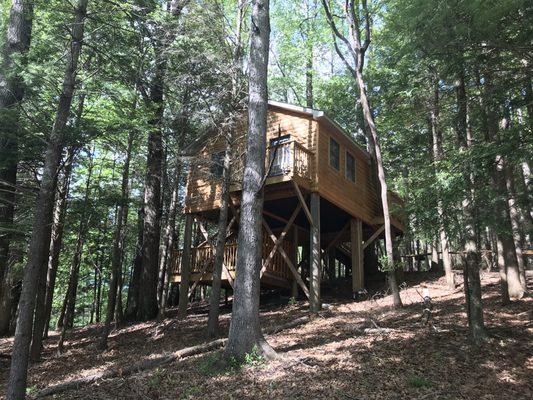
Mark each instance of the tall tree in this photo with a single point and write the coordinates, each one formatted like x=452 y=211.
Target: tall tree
x=14 y=51
x=118 y=245
x=356 y=46
x=40 y=239
x=438 y=157
x=245 y=330
x=233 y=113
x=148 y=305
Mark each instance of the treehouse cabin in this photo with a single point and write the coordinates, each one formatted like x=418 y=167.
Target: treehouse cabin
x=322 y=211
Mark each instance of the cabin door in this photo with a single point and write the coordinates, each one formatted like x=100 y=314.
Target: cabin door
x=282 y=150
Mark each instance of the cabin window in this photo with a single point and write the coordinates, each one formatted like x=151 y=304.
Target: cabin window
x=217 y=164
x=282 y=161
x=350 y=167
x=334 y=154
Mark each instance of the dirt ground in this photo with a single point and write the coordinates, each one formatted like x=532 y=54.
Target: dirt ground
x=330 y=357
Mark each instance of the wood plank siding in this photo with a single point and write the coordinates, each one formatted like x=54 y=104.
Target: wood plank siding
x=310 y=134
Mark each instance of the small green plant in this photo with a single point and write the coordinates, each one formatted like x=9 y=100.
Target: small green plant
x=292 y=301
x=254 y=357
x=250 y=359
x=31 y=389
x=416 y=381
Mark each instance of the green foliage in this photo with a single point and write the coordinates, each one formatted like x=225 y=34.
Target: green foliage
x=416 y=381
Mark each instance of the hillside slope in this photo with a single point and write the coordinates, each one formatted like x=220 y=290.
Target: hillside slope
x=360 y=350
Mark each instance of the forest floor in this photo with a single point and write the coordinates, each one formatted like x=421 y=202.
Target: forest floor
x=330 y=357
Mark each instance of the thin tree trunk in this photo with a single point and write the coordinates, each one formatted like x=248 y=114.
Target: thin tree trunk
x=245 y=331
x=438 y=155
x=214 y=300
x=40 y=240
x=168 y=241
x=471 y=259
x=132 y=302
x=17 y=43
x=118 y=246
x=57 y=236
x=515 y=226
x=357 y=50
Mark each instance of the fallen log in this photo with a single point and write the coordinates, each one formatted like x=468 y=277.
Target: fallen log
x=154 y=362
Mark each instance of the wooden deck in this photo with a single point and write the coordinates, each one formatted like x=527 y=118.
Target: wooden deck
x=276 y=274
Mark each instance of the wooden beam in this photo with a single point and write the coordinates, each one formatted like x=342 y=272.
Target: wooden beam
x=374 y=236
x=281 y=219
x=280 y=239
x=314 y=255
x=287 y=260
x=337 y=237
x=356 y=238
x=302 y=202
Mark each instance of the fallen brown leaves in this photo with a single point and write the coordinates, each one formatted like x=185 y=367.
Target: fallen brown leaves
x=362 y=350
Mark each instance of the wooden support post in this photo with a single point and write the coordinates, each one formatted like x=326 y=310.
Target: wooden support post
x=185 y=267
x=356 y=237
x=295 y=260
x=314 y=254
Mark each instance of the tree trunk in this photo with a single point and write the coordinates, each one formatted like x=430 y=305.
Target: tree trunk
x=214 y=300
x=60 y=210
x=357 y=51
x=148 y=306
x=132 y=302
x=438 y=155
x=168 y=242
x=40 y=239
x=17 y=43
x=515 y=225
x=69 y=304
x=118 y=246
x=245 y=331
x=471 y=259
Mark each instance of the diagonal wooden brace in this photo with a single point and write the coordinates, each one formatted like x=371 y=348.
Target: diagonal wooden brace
x=288 y=261
x=280 y=239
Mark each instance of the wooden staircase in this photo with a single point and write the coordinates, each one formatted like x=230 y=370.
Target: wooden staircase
x=277 y=273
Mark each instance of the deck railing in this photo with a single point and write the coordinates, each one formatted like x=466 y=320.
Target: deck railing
x=202 y=259
x=292 y=159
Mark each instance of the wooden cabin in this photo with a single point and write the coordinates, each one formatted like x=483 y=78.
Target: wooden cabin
x=322 y=210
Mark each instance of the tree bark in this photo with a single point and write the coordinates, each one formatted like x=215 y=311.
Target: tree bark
x=118 y=245
x=245 y=331
x=17 y=43
x=40 y=239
